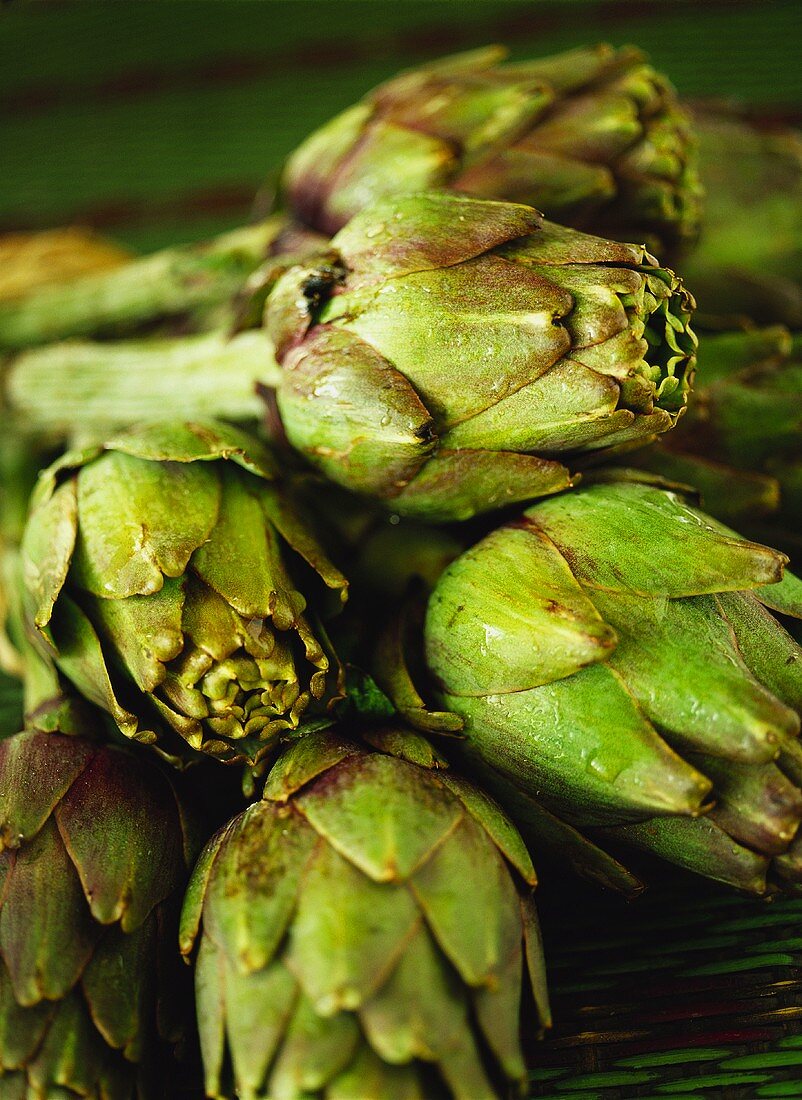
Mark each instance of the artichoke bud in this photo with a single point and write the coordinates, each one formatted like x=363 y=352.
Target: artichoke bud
x=95 y=851
x=333 y=953
x=467 y=355
x=164 y=575
x=615 y=662
x=594 y=137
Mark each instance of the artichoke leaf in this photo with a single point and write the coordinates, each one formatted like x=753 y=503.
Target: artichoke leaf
x=719 y=707
x=34 y=776
x=47 y=549
x=583 y=747
x=479 y=948
x=194 y=441
x=240 y=535
x=74 y=1053
x=120 y=876
x=386 y=839
x=128 y=540
x=210 y=998
x=697 y=844
x=420 y=1011
x=117 y=985
x=785 y=596
x=348 y=933
x=413 y=233
x=768 y=650
x=364 y=413
x=498 y=1008
x=566 y=408
x=494 y=822
x=46 y=933
x=146 y=631
x=251 y=897
x=80 y=657
x=509 y=615
x=314 y=1050
x=493 y=325
x=297 y=535
x=368 y=1075
x=631 y=537
x=259 y=1008
x=456 y=485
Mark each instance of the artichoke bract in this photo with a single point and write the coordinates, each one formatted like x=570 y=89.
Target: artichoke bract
x=622 y=680
x=594 y=137
x=163 y=574
x=366 y=929
x=452 y=355
x=95 y=852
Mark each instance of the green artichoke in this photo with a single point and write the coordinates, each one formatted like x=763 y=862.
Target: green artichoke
x=741 y=443
x=622 y=681
x=594 y=137
x=95 y=853
x=450 y=353
x=366 y=930
x=747 y=265
x=162 y=574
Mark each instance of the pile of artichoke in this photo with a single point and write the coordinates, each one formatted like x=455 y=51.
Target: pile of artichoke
x=357 y=559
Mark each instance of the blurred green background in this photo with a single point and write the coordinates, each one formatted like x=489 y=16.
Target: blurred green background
x=157 y=121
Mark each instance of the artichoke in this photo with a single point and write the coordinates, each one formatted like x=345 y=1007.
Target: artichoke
x=594 y=137
x=622 y=681
x=160 y=571
x=95 y=852
x=366 y=930
x=741 y=443
x=747 y=265
x=449 y=353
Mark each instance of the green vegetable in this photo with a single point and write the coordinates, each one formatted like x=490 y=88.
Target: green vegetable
x=164 y=573
x=621 y=680
x=594 y=137
x=449 y=355
x=366 y=929
x=95 y=852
